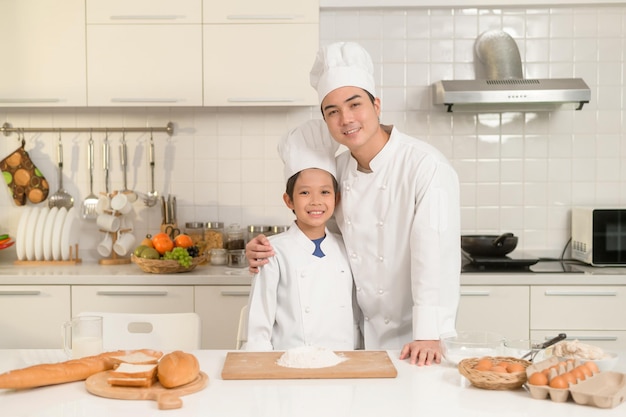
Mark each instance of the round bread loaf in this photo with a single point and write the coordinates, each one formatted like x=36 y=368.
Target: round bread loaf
x=177 y=368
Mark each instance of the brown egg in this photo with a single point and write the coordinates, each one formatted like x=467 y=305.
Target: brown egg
x=515 y=367
x=569 y=378
x=585 y=370
x=558 y=382
x=591 y=365
x=578 y=374
x=538 y=378
x=484 y=363
x=497 y=368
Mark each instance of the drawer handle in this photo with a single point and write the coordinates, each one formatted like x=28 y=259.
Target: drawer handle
x=147 y=17
x=144 y=100
x=20 y=292
x=263 y=17
x=582 y=293
x=476 y=293
x=260 y=100
x=231 y=293
x=30 y=100
x=140 y=293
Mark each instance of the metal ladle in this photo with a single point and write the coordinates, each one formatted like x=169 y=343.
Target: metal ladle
x=152 y=197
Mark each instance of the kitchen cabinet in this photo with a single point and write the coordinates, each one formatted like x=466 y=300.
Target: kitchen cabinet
x=32 y=316
x=144 y=53
x=219 y=308
x=575 y=310
x=43 y=49
x=132 y=298
x=501 y=309
x=267 y=69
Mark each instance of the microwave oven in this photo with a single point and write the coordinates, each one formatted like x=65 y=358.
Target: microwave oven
x=599 y=235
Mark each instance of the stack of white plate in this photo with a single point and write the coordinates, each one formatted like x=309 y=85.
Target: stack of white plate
x=47 y=234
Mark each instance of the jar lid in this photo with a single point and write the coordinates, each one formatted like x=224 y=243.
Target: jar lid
x=279 y=229
x=194 y=225
x=215 y=225
x=258 y=229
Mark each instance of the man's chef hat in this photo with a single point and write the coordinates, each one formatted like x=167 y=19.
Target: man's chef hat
x=342 y=64
x=308 y=146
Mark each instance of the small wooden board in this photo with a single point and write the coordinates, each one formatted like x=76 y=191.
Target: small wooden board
x=262 y=365
x=166 y=398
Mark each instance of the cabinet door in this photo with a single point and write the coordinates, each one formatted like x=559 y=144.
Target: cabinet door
x=31 y=317
x=132 y=299
x=238 y=11
x=260 y=65
x=578 y=307
x=142 y=11
x=219 y=308
x=144 y=65
x=43 y=49
x=500 y=309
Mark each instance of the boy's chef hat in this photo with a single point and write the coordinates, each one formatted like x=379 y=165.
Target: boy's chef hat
x=342 y=64
x=308 y=146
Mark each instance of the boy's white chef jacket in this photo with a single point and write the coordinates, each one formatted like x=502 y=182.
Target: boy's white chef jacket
x=298 y=299
x=401 y=228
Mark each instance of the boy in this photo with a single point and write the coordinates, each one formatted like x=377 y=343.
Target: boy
x=305 y=295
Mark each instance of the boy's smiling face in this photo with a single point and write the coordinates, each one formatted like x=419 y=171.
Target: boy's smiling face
x=314 y=201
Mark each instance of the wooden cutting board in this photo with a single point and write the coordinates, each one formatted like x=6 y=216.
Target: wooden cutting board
x=262 y=365
x=166 y=398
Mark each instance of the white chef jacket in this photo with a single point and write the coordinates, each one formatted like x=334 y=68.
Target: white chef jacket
x=298 y=299
x=401 y=227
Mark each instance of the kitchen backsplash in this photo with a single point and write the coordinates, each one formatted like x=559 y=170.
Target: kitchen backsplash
x=519 y=172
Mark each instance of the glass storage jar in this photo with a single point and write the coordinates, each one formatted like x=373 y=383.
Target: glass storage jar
x=218 y=256
x=254 y=231
x=234 y=238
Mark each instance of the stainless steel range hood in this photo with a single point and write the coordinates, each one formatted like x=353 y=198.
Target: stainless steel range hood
x=503 y=87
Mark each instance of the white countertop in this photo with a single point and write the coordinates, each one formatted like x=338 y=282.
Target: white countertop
x=93 y=273
x=426 y=391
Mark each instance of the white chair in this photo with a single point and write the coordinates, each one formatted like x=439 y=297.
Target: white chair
x=166 y=331
x=242 y=330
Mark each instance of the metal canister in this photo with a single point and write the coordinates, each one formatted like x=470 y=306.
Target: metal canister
x=255 y=230
x=274 y=230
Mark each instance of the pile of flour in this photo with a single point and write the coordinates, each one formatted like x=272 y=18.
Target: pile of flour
x=309 y=357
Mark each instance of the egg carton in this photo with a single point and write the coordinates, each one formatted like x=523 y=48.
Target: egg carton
x=602 y=389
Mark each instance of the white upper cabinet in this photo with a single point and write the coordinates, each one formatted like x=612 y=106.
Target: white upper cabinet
x=144 y=53
x=268 y=68
x=275 y=11
x=43 y=51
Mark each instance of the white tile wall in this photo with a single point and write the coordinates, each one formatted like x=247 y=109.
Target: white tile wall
x=520 y=172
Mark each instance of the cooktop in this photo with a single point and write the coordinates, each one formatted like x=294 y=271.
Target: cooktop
x=519 y=262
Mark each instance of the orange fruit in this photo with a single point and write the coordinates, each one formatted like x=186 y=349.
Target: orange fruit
x=162 y=243
x=183 y=241
x=538 y=378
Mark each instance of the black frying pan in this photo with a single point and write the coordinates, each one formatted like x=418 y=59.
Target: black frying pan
x=489 y=245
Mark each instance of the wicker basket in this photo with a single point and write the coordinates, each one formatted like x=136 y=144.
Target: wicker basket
x=494 y=380
x=162 y=266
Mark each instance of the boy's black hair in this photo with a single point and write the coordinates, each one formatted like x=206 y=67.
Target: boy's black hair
x=291 y=184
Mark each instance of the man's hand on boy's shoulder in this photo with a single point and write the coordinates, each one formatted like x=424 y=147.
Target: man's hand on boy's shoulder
x=257 y=251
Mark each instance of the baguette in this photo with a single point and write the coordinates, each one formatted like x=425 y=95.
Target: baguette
x=59 y=373
x=177 y=368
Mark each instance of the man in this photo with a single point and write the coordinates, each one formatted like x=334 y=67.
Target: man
x=399 y=214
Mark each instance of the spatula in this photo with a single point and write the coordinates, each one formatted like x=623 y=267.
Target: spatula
x=61 y=198
x=91 y=201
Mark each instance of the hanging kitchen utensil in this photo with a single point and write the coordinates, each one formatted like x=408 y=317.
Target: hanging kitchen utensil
x=106 y=160
x=489 y=245
x=61 y=198
x=132 y=196
x=91 y=201
x=152 y=197
x=22 y=177
x=536 y=349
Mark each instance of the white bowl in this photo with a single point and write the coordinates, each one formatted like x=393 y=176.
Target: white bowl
x=471 y=344
x=605 y=364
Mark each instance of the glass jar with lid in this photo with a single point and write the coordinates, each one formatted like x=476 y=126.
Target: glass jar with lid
x=234 y=239
x=255 y=230
x=218 y=256
x=214 y=235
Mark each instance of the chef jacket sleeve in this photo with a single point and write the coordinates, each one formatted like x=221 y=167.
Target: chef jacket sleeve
x=262 y=307
x=436 y=255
